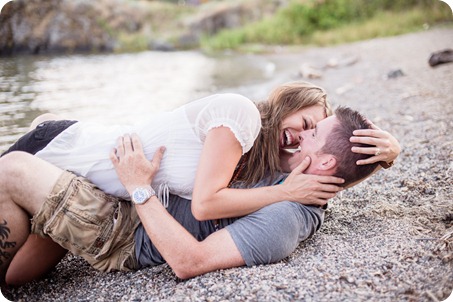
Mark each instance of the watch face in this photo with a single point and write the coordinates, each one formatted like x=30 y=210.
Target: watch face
x=140 y=195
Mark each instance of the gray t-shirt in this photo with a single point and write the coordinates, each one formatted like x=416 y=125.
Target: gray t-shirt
x=265 y=236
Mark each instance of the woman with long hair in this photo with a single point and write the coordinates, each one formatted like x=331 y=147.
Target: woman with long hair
x=210 y=144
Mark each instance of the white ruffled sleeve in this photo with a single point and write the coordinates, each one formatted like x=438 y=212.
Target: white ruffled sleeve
x=234 y=111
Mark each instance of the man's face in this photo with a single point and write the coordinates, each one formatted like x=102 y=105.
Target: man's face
x=310 y=144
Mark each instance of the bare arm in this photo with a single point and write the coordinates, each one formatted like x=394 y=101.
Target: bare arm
x=190 y=258
x=213 y=199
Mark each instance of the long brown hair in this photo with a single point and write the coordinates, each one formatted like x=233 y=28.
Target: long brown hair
x=264 y=157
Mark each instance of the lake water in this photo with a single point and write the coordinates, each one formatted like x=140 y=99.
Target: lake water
x=118 y=88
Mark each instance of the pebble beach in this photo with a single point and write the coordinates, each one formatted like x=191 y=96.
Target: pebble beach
x=389 y=238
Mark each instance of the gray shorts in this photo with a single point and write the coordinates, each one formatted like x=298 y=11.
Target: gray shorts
x=89 y=223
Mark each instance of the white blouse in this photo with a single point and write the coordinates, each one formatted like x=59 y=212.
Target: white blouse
x=84 y=147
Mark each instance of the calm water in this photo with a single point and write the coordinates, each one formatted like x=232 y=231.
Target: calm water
x=117 y=88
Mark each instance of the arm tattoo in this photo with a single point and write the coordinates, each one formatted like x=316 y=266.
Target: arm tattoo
x=4 y=244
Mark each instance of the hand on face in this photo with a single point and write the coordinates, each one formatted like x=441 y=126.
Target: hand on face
x=310 y=189
x=385 y=146
x=294 y=160
x=133 y=168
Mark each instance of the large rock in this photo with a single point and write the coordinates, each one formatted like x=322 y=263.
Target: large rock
x=216 y=16
x=65 y=26
x=53 y=26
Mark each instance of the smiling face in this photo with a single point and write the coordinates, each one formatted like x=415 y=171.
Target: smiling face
x=280 y=126
x=297 y=122
x=311 y=143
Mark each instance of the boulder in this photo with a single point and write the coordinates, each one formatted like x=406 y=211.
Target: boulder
x=57 y=26
x=67 y=26
x=214 y=17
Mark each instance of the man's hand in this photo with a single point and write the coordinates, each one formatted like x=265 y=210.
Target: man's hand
x=133 y=168
x=311 y=189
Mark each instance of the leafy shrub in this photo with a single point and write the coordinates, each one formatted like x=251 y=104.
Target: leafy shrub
x=301 y=18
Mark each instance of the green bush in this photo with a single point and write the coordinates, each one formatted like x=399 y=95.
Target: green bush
x=300 y=19
x=307 y=16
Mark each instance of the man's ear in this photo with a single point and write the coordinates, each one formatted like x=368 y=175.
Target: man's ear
x=328 y=162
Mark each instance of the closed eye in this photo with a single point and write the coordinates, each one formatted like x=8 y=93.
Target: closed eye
x=307 y=124
x=304 y=124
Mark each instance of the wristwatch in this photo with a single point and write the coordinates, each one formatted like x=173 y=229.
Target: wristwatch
x=142 y=194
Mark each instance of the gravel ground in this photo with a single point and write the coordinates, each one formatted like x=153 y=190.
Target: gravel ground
x=387 y=239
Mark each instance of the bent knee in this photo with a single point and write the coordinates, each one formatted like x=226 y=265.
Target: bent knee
x=14 y=163
x=43 y=118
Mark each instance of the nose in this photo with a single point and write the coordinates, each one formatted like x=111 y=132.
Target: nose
x=301 y=136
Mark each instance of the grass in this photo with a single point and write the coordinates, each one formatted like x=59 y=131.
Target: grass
x=131 y=42
x=300 y=23
x=382 y=25
x=281 y=29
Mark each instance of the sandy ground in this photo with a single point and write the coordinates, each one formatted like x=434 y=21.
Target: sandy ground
x=387 y=239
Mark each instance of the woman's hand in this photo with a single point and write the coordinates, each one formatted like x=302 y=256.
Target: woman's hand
x=385 y=148
x=311 y=189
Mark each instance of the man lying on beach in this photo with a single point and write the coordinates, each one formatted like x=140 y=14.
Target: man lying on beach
x=106 y=231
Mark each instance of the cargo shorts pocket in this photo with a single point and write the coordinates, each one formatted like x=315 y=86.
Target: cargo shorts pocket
x=84 y=222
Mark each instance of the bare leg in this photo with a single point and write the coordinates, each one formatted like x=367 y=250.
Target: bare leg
x=38 y=255
x=34 y=259
x=23 y=190
x=43 y=118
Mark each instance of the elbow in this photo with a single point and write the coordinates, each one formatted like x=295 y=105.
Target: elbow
x=190 y=266
x=183 y=273
x=200 y=211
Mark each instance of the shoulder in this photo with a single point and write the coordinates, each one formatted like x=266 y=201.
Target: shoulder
x=274 y=232
x=232 y=107
x=234 y=100
x=287 y=219
x=223 y=104
x=230 y=110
